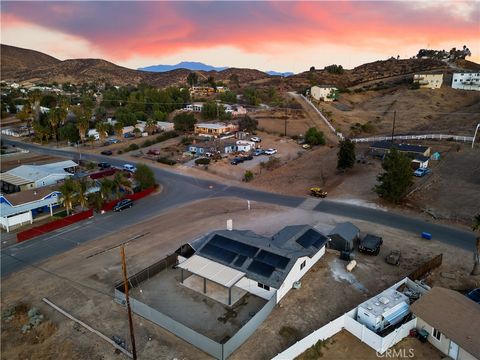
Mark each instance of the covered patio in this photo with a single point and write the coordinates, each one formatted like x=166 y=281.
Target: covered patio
x=212 y=279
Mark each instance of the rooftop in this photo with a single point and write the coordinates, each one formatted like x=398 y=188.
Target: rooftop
x=453 y=314
x=211 y=125
x=37 y=172
x=384 y=301
x=346 y=230
x=267 y=260
x=400 y=147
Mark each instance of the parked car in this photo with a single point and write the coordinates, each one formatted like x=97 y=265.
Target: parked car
x=256 y=139
x=258 y=152
x=129 y=135
x=370 y=244
x=270 y=151
x=129 y=168
x=236 y=161
x=153 y=152
x=107 y=152
x=111 y=141
x=421 y=172
x=104 y=165
x=247 y=157
x=474 y=295
x=123 y=204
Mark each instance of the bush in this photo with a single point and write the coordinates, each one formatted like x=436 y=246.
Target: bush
x=202 y=161
x=144 y=177
x=187 y=140
x=272 y=163
x=248 y=176
x=314 y=137
x=166 y=135
x=184 y=122
x=147 y=143
x=164 y=160
x=131 y=147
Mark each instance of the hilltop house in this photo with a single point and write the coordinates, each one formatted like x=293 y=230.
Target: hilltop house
x=263 y=266
x=324 y=92
x=466 y=81
x=26 y=177
x=195 y=107
x=165 y=126
x=428 y=81
x=214 y=129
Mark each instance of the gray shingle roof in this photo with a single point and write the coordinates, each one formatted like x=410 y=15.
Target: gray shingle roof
x=267 y=260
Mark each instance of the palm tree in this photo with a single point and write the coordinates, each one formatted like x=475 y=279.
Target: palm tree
x=102 y=130
x=33 y=103
x=57 y=116
x=118 y=128
x=120 y=182
x=82 y=121
x=151 y=126
x=68 y=194
x=81 y=187
x=106 y=188
x=476 y=255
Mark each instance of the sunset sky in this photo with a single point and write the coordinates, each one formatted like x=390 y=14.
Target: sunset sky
x=273 y=35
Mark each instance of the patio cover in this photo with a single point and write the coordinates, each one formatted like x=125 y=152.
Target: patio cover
x=211 y=270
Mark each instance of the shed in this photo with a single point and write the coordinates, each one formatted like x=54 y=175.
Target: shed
x=343 y=237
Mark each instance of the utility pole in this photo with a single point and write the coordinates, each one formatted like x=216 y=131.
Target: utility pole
x=129 y=310
x=393 y=127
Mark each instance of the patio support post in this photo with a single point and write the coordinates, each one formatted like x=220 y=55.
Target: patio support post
x=51 y=210
x=229 y=296
x=204 y=285
x=181 y=276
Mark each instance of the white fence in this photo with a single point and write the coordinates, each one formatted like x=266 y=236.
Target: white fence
x=339 y=134
x=415 y=137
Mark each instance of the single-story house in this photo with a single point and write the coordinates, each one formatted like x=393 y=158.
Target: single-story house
x=343 y=237
x=17 y=131
x=21 y=207
x=127 y=129
x=195 y=107
x=264 y=266
x=25 y=177
x=245 y=146
x=380 y=148
x=324 y=92
x=466 y=81
x=201 y=90
x=165 y=126
x=214 y=129
x=428 y=81
x=212 y=147
x=452 y=321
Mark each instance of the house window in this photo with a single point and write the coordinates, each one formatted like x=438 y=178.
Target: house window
x=302 y=265
x=263 y=286
x=436 y=334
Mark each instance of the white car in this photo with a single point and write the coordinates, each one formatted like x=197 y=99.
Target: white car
x=129 y=168
x=256 y=139
x=270 y=151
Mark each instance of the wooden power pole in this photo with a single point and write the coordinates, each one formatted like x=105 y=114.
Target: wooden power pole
x=129 y=310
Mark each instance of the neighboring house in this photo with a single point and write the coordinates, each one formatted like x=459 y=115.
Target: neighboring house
x=25 y=177
x=380 y=148
x=201 y=90
x=20 y=208
x=165 y=126
x=239 y=111
x=466 y=81
x=343 y=237
x=263 y=266
x=245 y=146
x=212 y=147
x=420 y=161
x=18 y=131
x=428 y=81
x=195 y=107
x=324 y=92
x=94 y=133
x=452 y=321
x=214 y=129
x=127 y=129
x=221 y=89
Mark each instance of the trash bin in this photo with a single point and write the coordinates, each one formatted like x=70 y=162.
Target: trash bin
x=427 y=235
x=422 y=335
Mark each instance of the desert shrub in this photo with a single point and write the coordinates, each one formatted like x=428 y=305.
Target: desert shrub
x=272 y=163
x=166 y=135
x=202 y=161
x=147 y=143
x=187 y=140
x=248 y=176
x=131 y=147
x=167 y=161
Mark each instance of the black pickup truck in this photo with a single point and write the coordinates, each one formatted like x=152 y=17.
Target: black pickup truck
x=370 y=244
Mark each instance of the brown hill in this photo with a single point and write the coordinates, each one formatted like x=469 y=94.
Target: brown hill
x=25 y=65
x=17 y=59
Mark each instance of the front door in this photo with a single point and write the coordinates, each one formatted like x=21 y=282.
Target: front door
x=453 y=350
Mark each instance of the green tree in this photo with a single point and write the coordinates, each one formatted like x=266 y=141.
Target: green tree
x=67 y=188
x=82 y=120
x=118 y=129
x=248 y=124
x=184 y=122
x=159 y=115
x=41 y=131
x=396 y=179
x=211 y=110
x=144 y=177
x=102 y=129
x=69 y=132
x=476 y=254
x=228 y=97
x=192 y=79
x=251 y=96
x=248 y=176
x=314 y=137
x=81 y=188
x=106 y=189
x=151 y=126
x=334 y=69
x=120 y=183
x=346 y=154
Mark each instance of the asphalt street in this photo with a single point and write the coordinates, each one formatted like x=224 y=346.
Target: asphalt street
x=179 y=189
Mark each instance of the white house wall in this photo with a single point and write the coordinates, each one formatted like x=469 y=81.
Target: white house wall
x=252 y=287
x=459 y=79
x=50 y=180
x=8 y=222
x=296 y=274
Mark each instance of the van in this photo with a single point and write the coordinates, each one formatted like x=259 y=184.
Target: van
x=129 y=168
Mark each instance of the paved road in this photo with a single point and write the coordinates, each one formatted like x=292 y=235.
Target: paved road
x=180 y=189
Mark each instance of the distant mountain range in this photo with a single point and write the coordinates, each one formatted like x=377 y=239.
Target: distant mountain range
x=199 y=66
x=189 y=65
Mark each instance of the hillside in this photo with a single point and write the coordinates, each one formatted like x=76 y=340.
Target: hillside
x=16 y=59
x=23 y=65
x=189 y=65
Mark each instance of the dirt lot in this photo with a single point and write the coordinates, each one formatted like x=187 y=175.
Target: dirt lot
x=443 y=110
x=342 y=345
x=9 y=162
x=84 y=286
x=273 y=121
